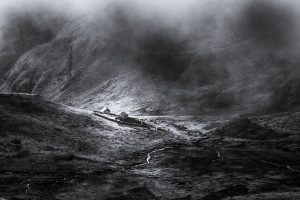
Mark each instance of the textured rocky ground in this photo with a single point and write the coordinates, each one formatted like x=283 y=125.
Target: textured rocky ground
x=51 y=151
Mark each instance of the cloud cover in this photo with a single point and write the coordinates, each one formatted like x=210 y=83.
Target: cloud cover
x=202 y=54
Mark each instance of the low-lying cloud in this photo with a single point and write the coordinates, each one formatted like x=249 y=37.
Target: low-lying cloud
x=205 y=53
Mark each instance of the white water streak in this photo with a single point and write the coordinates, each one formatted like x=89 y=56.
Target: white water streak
x=149 y=154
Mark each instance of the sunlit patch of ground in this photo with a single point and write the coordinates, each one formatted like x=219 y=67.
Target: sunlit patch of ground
x=51 y=151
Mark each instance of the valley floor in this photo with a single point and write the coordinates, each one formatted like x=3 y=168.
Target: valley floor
x=51 y=151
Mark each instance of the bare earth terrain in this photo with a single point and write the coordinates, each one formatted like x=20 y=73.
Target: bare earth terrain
x=51 y=151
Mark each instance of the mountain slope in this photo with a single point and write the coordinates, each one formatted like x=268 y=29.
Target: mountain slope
x=132 y=61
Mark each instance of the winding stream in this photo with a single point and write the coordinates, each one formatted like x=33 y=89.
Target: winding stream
x=157 y=150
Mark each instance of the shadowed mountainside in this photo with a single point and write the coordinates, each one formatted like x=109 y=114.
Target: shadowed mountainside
x=127 y=60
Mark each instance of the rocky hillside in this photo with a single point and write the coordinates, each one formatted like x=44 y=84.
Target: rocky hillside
x=133 y=61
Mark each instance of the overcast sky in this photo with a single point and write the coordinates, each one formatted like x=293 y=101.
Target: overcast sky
x=169 y=6
x=170 y=9
x=85 y=5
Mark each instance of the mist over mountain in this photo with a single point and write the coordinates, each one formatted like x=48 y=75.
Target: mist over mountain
x=198 y=58
x=149 y=100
